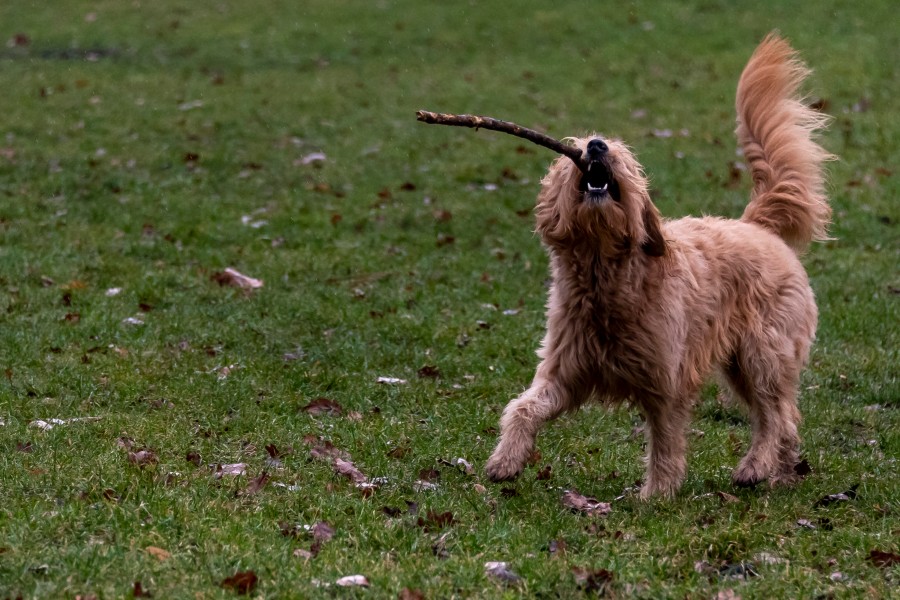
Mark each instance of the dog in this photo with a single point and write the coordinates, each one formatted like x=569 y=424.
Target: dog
x=644 y=310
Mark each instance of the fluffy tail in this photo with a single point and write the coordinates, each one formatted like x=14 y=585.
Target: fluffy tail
x=777 y=132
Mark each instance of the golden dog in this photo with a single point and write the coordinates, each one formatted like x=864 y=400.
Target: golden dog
x=644 y=310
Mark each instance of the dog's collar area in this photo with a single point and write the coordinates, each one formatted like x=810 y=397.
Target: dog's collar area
x=597 y=181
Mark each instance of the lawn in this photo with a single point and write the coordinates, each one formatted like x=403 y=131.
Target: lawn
x=149 y=146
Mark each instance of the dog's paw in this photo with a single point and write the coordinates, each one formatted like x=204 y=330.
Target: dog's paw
x=748 y=475
x=501 y=468
x=652 y=490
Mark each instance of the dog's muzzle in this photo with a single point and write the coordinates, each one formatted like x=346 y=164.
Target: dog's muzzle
x=597 y=181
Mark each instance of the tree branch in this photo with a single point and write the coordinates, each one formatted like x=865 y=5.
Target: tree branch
x=478 y=122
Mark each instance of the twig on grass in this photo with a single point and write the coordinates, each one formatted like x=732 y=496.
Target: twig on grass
x=478 y=122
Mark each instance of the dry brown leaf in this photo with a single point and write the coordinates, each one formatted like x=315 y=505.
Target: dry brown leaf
x=256 y=484
x=584 y=504
x=411 y=594
x=327 y=450
x=593 y=580
x=348 y=469
x=159 y=553
x=323 y=406
x=883 y=559
x=436 y=521
x=138 y=591
x=241 y=582
x=143 y=458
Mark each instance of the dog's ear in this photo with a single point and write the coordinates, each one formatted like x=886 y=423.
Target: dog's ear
x=654 y=244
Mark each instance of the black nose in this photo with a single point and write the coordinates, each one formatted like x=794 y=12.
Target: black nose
x=597 y=148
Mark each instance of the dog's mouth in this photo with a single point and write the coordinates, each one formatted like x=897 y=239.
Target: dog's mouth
x=598 y=182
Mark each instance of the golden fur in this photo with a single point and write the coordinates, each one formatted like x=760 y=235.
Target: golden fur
x=645 y=310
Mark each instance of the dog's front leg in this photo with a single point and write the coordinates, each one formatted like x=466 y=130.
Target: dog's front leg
x=521 y=420
x=666 y=428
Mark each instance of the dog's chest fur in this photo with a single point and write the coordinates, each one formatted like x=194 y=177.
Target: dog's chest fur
x=598 y=298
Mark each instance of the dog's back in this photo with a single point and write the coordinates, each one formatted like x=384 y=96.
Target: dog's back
x=777 y=133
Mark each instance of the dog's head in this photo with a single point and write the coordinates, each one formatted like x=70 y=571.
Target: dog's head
x=606 y=206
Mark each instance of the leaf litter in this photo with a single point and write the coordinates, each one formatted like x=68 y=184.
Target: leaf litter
x=234 y=278
x=501 y=572
x=571 y=499
x=242 y=582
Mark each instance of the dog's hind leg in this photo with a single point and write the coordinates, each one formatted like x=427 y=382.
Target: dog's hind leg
x=666 y=431
x=766 y=376
x=522 y=418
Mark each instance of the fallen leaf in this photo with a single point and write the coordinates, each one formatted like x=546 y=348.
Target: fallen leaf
x=353 y=580
x=883 y=559
x=410 y=594
x=348 y=469
x=390 y=380
x=429 y=372
x=839 y=497
x=323 y=406
x=435 y=521
x=727 y=498
x=157 y=552
x=423 y=486
x=545 y=473
x=24 y=446
x=241 y=582
x=327 y=450
x=231 y=470
x=193 y=458
x=429 y=474
x=593 y=580
x=322 y=531
x=584 y=504
x=501 y=572
x=233 y=278
x=398 y=452
x=256 y=484
x=143 y=458
x=138 y=591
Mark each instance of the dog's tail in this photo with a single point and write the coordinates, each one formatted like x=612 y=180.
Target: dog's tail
x=777 y=133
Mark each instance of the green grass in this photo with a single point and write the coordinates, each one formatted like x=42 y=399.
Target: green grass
x=100 y=111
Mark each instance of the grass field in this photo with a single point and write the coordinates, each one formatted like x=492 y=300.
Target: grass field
x=148 y=146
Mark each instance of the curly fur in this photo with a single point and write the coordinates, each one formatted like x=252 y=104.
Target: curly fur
x=644 y=310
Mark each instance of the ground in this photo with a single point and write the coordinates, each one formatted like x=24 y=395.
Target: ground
x=148 y=146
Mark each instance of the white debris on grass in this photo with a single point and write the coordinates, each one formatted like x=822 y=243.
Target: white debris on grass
x=51 y=423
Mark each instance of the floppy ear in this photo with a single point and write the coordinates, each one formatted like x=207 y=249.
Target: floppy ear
x=654 y=244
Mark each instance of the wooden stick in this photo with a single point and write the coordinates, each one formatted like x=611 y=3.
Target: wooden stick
x=478 y=122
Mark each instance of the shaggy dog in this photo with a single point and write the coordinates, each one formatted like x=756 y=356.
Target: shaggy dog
x=643 y=310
